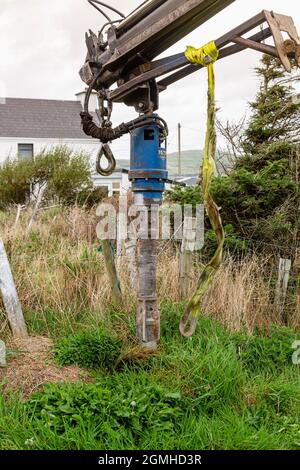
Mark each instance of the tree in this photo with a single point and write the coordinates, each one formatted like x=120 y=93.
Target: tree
x=65 y=174
x=260 y=197
x=275 y=115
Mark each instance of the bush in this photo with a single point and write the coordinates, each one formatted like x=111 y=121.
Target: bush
x=189 y=195
x=93 y=350
x=67 y=175
x=260 y=196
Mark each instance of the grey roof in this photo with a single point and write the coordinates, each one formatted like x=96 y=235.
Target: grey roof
x=35 y=118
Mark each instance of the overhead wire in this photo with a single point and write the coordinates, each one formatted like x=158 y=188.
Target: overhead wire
x=92 y=2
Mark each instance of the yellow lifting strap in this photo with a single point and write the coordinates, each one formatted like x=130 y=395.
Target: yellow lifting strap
x=206 y=56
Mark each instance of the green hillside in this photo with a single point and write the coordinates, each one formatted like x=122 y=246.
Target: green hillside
x=190 y=163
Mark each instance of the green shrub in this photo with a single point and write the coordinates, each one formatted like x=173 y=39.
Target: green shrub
x=67 y=174
x=93 y=350
x=189 y=195
x=260 y=196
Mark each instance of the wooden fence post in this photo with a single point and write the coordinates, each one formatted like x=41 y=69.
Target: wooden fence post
x=282 y=282
x=18 y=215
x=2 y=354
x=186 y=255
x=10 y=297
x=131 y=255
x=112 y=272
x=41 y=190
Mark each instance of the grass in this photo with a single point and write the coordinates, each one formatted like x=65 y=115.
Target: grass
x=217 y=390
x=91 y=349
x=231 y=386
x=61 y=278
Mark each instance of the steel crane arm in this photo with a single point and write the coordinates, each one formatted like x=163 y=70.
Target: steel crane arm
x=123 y=67
x=155 y=69
x=127 y=57
x=145 y=34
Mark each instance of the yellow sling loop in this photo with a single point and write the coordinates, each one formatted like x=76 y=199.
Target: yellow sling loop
x=206 y=56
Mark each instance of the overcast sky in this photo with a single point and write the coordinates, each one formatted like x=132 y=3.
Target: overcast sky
x=42 y=48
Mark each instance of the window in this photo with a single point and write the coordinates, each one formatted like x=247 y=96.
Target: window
x=25 y=151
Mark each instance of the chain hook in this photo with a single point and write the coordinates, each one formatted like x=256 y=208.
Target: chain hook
x=105 y=151
x=105 y=112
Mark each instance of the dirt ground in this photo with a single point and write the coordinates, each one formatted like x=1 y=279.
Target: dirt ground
x=30 y=365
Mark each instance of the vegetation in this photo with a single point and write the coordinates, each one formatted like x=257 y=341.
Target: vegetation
x=61 y=279
x=260 y=197
x=65 y=174
x=95 y=349
x=217 y=390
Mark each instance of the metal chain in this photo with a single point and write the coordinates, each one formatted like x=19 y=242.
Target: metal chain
x=105 y=111
x=104 y=115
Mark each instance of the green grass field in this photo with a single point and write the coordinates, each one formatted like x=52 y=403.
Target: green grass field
x=217 y=390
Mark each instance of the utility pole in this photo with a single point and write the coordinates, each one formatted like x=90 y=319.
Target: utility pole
x=179 y=149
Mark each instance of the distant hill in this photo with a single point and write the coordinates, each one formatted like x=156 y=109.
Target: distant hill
x=190 y=163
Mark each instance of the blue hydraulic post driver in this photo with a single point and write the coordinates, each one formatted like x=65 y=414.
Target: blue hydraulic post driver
x=148 y=173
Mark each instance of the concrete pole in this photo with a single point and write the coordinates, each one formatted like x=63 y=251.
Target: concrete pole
x=179 y=150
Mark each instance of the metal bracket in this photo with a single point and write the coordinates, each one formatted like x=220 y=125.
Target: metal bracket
x=284 y=49
x=282 y=23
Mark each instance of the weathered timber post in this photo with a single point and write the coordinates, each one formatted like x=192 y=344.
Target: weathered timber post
x=186 y=255
x=112 y=272
x=10 y=297
x=39 y=198
x=3 y=362
x=130 y=251
x=282 y=282
x=18 y=215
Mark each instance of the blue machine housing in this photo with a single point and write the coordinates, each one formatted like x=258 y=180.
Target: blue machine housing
x=148 y=163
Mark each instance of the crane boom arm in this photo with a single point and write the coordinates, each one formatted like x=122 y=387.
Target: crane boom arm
x=127 y=57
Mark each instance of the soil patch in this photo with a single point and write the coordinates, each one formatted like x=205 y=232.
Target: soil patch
x=31 y=365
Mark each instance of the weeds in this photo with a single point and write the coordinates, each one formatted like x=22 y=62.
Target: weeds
x=92 y=350
x=228 y=387
x=195 y=394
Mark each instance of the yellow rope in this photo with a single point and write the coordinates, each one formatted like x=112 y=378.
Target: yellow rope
x=206 y=56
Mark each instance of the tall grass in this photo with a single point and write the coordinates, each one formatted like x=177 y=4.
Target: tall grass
x=61 y=278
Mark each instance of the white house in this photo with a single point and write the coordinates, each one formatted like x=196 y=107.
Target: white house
x=28 y=126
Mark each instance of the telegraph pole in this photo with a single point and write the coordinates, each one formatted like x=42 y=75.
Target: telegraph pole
x=179 y=149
